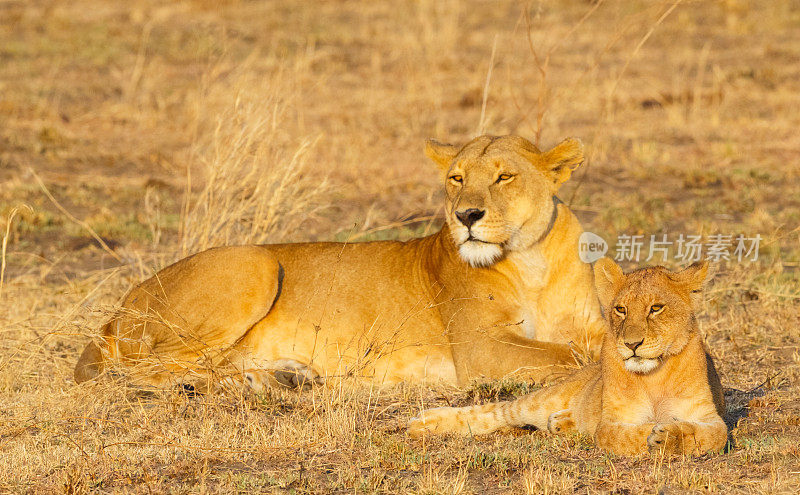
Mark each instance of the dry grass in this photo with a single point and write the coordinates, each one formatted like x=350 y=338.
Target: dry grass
x=256 y=182
x=305 y=121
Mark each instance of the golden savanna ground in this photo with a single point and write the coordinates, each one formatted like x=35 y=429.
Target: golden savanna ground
x=167 y=127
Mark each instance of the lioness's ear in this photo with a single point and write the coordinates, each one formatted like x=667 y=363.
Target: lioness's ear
x=562 y=160
x=694 y=276
x=440 y=153
x=608 y=279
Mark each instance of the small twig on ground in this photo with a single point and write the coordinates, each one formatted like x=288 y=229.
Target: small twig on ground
x=768 y=380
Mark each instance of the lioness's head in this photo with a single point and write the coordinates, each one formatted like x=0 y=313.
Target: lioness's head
x=500 y=192
x=650 y=310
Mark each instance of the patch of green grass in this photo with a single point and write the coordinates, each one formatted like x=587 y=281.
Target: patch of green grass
x=491 y=391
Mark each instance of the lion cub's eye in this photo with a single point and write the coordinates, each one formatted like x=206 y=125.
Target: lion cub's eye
x=456 y=178
x=504 y=177
x=656 y=308
x=620 y=310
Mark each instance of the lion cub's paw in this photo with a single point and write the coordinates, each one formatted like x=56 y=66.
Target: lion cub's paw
x=560 y=422
x=665 y=437
x=438 y=421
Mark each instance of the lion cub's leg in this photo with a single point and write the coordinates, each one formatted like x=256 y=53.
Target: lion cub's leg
x=535 y=409
x=561 y=422
x=622 y=438
x=475 y=420
x=685 y=437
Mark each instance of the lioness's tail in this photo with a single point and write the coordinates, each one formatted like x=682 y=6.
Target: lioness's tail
x=90 y=364
x=92 y=361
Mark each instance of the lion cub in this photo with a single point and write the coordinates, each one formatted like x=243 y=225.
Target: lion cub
x=655 y=386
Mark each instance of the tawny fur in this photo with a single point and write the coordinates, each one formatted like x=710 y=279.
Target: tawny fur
x=430 y=309
x=676 y=406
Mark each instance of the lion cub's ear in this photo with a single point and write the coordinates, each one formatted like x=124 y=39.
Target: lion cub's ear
x=562 y=160
x=608 y=279
x=693 y=276
x=440 y=153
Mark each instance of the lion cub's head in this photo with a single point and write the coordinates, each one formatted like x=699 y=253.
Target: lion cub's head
x=500 y=192
x=650 y=310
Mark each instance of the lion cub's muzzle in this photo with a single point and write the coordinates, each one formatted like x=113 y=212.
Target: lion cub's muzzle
x=636 y=349
x=635 y=357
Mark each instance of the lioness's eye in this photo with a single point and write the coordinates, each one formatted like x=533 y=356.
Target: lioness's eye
x=457 y=178
x=656 y=308
x=620 y=310
x=504 y=177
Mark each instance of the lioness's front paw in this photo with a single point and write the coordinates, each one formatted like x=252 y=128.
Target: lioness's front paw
x=560 y=422
x=665 y=437
x=437 y=421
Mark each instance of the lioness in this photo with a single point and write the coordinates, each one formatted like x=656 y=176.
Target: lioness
x=500 y=289
x=655 y=386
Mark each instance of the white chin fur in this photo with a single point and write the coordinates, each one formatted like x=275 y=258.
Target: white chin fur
x=480 y=254
x=640 y=365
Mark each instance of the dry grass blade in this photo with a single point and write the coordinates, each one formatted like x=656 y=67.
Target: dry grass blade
x=258 y=185
x=4 y=247
x=542 y=65
x=640 y=44
x=614 y=86
x=78 y=221
x=482 y=122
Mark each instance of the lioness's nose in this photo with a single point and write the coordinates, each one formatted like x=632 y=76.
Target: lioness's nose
x=633 y=345
x=470 y=216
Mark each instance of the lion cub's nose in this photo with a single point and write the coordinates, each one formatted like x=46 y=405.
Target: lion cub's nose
x=633 y=345
x=470 y=216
